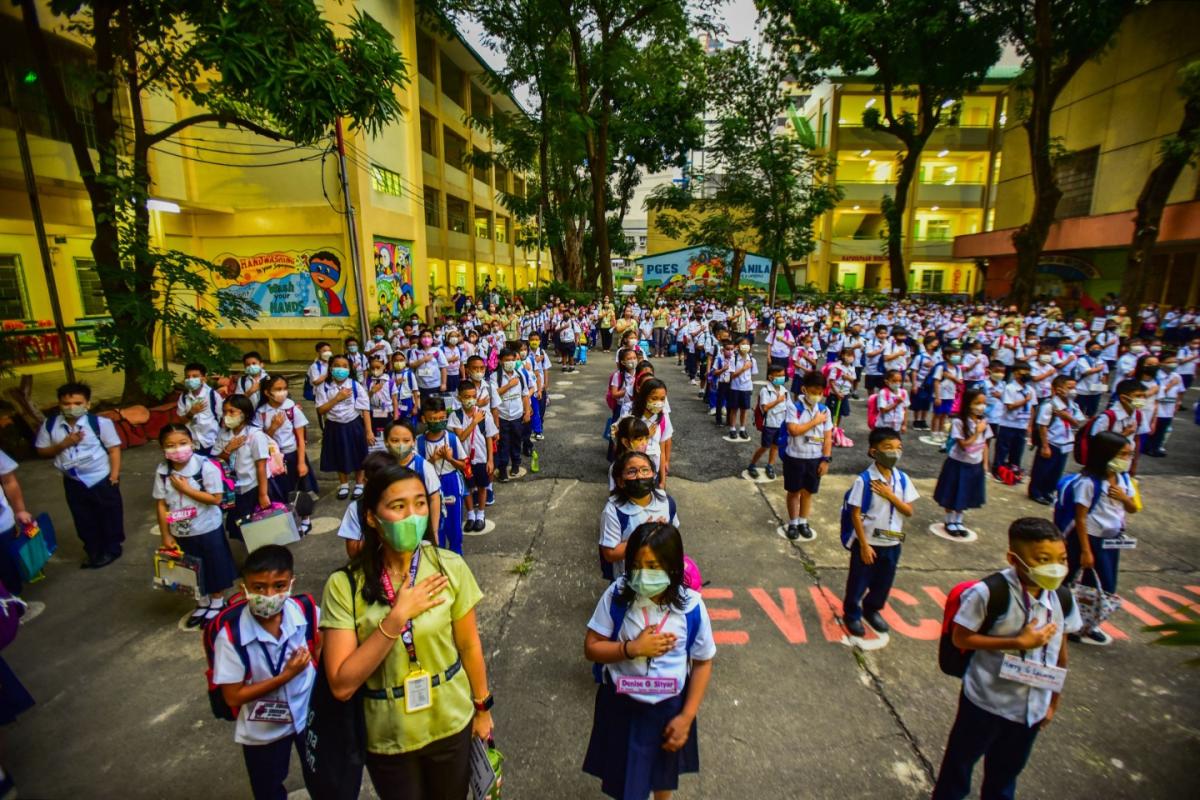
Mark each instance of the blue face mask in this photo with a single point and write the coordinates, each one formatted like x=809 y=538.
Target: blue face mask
x=779 y=381
x=192 y=384
x=1066 y=348
x=340 y=373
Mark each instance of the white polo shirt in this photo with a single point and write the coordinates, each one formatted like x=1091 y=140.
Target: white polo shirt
x=476 y=446
x=510 y=403
x=86 y=462
x=348 y=409
x=285 y=434
x=745 y=381
x=243 y=460
x=381 y=390
x=612 y=533
x=426 y=447
x=775 y=416
x=640 y=614
x=811 y=444
x=1107 y=519
x=1017 y=417
x=429 y=374
x=201 y=474
x=206 y=423
x=881 y=515
x=261 y=646
x=894 y=417
x=1059 y=433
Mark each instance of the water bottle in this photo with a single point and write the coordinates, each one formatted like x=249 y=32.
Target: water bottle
x=534 y=462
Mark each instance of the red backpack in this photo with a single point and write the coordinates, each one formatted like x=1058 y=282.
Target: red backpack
x=1084 y=435
x=609 y=400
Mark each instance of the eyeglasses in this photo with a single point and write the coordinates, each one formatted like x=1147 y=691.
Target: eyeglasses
x=644 y=472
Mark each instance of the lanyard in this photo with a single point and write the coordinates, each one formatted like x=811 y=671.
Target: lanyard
x=1044 y=648
x=277 y=666
x=406 y=635
x=657 y=630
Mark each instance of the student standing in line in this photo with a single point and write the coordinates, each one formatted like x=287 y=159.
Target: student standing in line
x=87 y=451
x=199 y=407
x=650 y=406
x=1170 y=388
x=999 y=716
x=317 y=374
x=962 y=483
x=1091 y=381
x=773 y=403
x=449 y=459
x=346 y=407
x=475 y=428
x=1019 y=401
x=408 y=393
x=892 y=403
x=1056 y=421
x=514 y=410
x=284 y=421
x=806 y=459
x=741 y=383
x=875 y=553
x=250 y=382
x=634 y=499
x=645 y=631
x=246 y=448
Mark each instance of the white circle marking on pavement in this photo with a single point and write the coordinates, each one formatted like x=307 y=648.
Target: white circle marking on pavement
x=938 y=529
x=557 y=396
x=737 y=440
x=932 y=442
x=322 y=525
x=878 y=643
x=781 y=531
x=488 y=527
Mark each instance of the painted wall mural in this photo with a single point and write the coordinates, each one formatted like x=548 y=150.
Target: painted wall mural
x=393 y=276
x=288 y=283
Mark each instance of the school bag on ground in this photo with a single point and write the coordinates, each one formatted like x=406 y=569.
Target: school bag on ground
x=229 y=620
x=616 y=610
x=952 y=660
x=606 y=567
x=1064 y=503
x=848 y=533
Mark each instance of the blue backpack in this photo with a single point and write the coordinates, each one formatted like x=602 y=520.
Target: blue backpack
x=781 y=438
x=606 y=567
x=927 y=383
x=617 y=611
x=1064 y=505
x=92 y=420
x=848 y=532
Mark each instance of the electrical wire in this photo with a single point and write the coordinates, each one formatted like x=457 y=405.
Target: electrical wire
x=302 y=159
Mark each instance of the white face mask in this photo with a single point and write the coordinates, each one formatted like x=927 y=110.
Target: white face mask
x=655 y=406
x=279 y=396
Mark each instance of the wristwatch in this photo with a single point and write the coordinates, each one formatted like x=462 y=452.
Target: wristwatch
x=485 y=704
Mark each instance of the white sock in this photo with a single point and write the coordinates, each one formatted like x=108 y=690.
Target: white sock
x=949 y=517
x=802 y=520
x=480 y=517
x=217 y=602
x=958 y=517
x=358 y=486
x=795 y=521
x=344 y=486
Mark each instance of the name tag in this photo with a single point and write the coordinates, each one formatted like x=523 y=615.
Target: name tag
x=896 y=535
x=637 y=684
x=418 y=692
x=427 y=370
x=1121 y=542
x=1031 y=673
x=272 y=711
x=181 y=514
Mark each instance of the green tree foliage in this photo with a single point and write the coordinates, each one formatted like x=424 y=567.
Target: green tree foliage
x=922 y=54
x=764 y=184
x=276 y=68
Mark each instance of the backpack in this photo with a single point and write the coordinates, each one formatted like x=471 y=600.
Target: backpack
x=781 y=439
x=759 y=417
x=609 y=399
x=1085 y=433
x=493 y=359
x=228 y=482
x=952 y=660
x=229 y=620
x=92 y=420
x=275 y=463
x=606 y=567
x=848 y=532
x=1064 y=504
x=927 y=383
x=617 y=611
x=873 y=410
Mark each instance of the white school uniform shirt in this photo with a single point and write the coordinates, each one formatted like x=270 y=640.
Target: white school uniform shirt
x=673 y=664
x=873 y=355
x=315 y=370
x=1006 y=349
x=1067 y=363
x=881 y=514
x=452 y=355
x=509 y=403
x=1168 y=397
x=893 y=347
x=381 y=349
x=774 y=417
x=1094 y=383
x=404 y=383
x=204 y=425
x=260 y=646
x=781 y=342
x=86 y=462
x=661 y=431
x=348 y=409
x=972 y=453
x=358 y=364
x=811 y=444
x=1059 y=433
x=285 y=434
x=893 y=418
x=245 y=381
x=722 y=367
x=1017 y=417
x=429 y=374
x=611 y=532
x=804 y=358
x=982 y=683
x=382 y=399
x=8 y=518
x=943 y=375
x=1042 y=385
x=745 y=381
x=1109 y=342
x=1186 y=367
x=427 y=446
x=1117 y=419
x=201 y=474
x=975 y=366
x=476 y=446
x=842 y=377
x=244 y=459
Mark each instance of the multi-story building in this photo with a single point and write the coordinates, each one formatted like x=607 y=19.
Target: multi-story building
x=271 y=216
x=1110 y=121
x=952 y=195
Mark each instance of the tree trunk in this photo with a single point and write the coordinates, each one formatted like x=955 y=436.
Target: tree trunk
x=598 y=167
x=1150 y=205
x=735 y=271
x=894 y=212
x=771 y=282
x=790 y=276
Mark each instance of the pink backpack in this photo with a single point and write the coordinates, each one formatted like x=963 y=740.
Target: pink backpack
x=692 y=578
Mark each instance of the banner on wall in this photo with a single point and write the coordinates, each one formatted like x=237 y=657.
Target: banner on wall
x=393 y=276
x=287 y=283
x=697 y=268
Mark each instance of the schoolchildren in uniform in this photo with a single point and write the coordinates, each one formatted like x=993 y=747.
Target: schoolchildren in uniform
x=804 y=360
x=542 y=367
x=806 y=459
x=378 y=348
x=878 y=530
x=269 y=673
x=1104 y=495
x=12 y=514
x=525 y=367
x=628 y=434
x=401 y=442
x=650 y=406
x=87 y=451
x=1056 y=422
x=947 y=383
x=357 y=360
x=429 y=363
x=1018 y=402
x=841 y=380
x=382 y=391
x=348 y=433
x=962 y=484
x=249 y=383
x=633 y=500
x=922 y=396
x=773 y=402
x=645 y=630
x=999 y=716
x=318 y=373
x=719 y=379
x=199 y=407
x=1128 y=415
x=284 y=421
x=407 y=396
x=449 y=459
x=246 y=448
x=1044 y=372
x=511 y=391
x=453 y=355
x=1188 y=356
x=1169 y=390
x=892 y=404
x=476 y=430
x=189 y=489
x=741 y=383
x=1091 y=379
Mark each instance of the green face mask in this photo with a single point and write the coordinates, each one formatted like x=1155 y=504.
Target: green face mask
x=404 y=535
x=437 y=427
x=649 y=582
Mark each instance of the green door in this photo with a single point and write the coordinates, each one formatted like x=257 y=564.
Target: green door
x=850 y=281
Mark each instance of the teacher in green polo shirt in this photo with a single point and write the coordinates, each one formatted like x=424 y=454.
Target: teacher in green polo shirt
x=402 y=626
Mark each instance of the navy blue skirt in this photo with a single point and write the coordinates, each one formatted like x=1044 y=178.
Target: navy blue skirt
x=344 y=446
x=291 y=481
x=217 y=568
x=960 y=486
x=625 y=751
x=14 y=697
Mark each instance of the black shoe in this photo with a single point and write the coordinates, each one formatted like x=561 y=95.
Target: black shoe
x=854 y=396
x=196 y=619
x=502 y=475
x=103 y=561
x=770 y=472
x=752 y=471
x=792 y=532
x=745 y=437
x=876 y=621
x=1043 y=501
x=856 y=628
x=806 y=533
x=516 y=472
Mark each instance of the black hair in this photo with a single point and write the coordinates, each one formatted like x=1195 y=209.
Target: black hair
x=1127 y=386
x=813 y=379
x=621 y=354
x=269 y=558
x=196 y=366
x=880 y=435
x=892 y=372
x=618 y=470
x=644 y=391
x=776 y=368
x=375 y=461
x=964 y=407
x=508 y=351
x=352 y=339
x=433 y=404
x=250 y=354
x=321 y=346
x=239 y=402
x=467 y=383
x=1103 y=448
x=881 y=329
x=473 y=359
x=75 y=388
x=339 y=356
x=1061 y=380
x=1033 y=529
x=173 y=427
x=1021 y=365
x=370 y=557
x=629 y=428
x=664 y=540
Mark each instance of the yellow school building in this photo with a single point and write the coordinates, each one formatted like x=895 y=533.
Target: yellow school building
x=269 y=215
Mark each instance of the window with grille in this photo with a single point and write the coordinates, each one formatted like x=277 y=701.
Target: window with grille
x=1075 y=175
x=91 y=294
x=433 y=208
x=385 y=181
x=456 y=213
x=931 y=280
x=13 y=300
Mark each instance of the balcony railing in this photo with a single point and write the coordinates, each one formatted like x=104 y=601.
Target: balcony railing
x=957 y=195
x=960 y=137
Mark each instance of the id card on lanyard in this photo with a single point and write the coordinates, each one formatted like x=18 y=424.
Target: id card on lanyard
x=1029 y=672
x=273 y=711
x=418 y=686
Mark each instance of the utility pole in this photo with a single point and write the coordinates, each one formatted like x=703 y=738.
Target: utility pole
x=355 y=258
x=39 y=225
x=537 y=269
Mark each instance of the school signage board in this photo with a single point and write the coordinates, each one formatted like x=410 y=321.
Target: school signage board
x=697 y=268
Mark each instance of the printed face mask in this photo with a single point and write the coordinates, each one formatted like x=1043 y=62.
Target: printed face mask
x=400 y=451
x=436 y=427
x=1047 y=576
x=649 y=582
x=405 y=534
x=74 y=412
x=744 y=348
x=265 y=606
x=179 y=455
x=655 y=406
x=888 y=458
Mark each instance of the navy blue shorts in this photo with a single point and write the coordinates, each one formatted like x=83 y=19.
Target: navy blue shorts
x=943 y=406
x=769 y=437
x=738 y=399
x=479 y=476
x=800 y=474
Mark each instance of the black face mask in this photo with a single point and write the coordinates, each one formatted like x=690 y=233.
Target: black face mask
x=639 y=487
x=1026 y=378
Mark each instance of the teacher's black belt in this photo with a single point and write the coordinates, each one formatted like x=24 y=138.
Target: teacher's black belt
x=397 y=692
